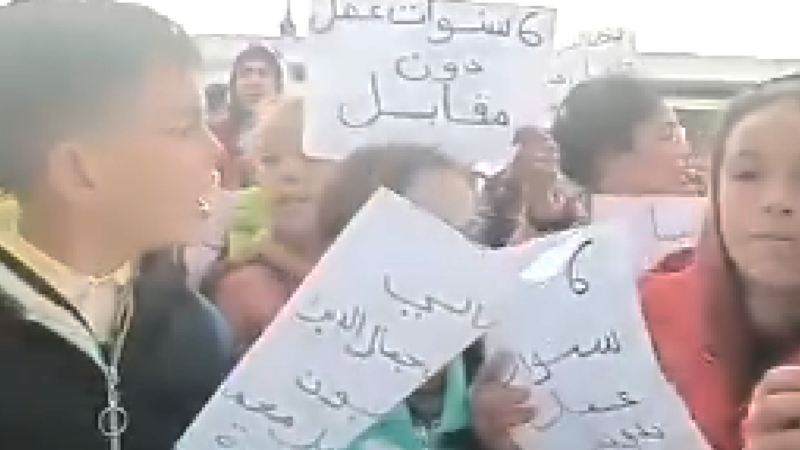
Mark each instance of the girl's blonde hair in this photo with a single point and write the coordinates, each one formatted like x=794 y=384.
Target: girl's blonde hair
x=280 y=125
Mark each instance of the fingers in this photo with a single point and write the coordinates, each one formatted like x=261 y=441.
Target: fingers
x=774 y=412
x=779 y=379
x=495 y=369
x=786 y=440
x=773 y=422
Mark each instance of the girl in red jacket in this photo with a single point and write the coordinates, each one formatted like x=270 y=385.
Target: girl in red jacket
x=727 y=327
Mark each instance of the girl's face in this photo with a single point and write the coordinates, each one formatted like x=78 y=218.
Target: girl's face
x=759 y=202
x=291 y=179
x=293 y=182
x=655 y=164
x=759 y=195
x=445 y=193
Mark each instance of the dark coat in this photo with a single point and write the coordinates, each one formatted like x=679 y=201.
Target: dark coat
x=177 y=352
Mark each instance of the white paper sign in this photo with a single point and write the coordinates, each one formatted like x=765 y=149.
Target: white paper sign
x=458 y=75
x=582 y=346
x=659 y=225
x=594 y=53
x=518 y=258
x=397 y=297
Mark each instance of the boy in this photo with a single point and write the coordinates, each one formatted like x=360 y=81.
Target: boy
x=103 y=144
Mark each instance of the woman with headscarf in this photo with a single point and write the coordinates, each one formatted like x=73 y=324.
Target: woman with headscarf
x=257 y=78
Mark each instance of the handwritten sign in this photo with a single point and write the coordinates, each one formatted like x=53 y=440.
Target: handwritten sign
x=357 y=337
x=458 y=75
x=582 y=346
x=594 y=53
x=659 y=225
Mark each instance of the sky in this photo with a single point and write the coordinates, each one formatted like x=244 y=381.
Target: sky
x=766 y=29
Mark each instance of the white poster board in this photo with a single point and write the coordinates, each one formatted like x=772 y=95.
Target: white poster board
x=593 y=54
x=394 y=300
x=658 y=225
x=581 y=345
x=457 y=75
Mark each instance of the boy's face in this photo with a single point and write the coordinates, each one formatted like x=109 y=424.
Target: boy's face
x=145 y=172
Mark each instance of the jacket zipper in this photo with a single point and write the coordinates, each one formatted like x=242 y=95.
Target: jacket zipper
x=113 y=420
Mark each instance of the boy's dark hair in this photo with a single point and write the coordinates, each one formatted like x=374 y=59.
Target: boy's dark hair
x=64 y=62
x=599 y=114
x=357 y=178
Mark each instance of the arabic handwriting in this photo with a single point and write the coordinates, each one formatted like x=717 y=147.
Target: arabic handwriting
x=353 y=322
x=578 y=284
x=480 y=109
x=314 y=444
x=445 y=29
x=473 y=66
x=561 y=409
x=527 y=33
x=555 y=418
x=444 y=25
x=265 y=409
x=377 y=346
x=410 y=68
x=229 y=441
x=429 y=303
x=395 y=15
x=633 y=438
x=477 y=319
x=401 y=71
x=603 y=37
x=370 y=120
x=407 y=15
x=625 y=401
x=338 y=400
x=379 y=111
x=664 y=236
x=606 y=345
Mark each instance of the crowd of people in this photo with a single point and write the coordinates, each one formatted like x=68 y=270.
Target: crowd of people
x=148 y=242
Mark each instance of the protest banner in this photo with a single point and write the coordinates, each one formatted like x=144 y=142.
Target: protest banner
x=458 y=75
x=658 y=225
x=355 y=339
x=580 y=343
x=594 y=53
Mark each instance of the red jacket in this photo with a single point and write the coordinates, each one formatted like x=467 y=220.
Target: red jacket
x=677 y=316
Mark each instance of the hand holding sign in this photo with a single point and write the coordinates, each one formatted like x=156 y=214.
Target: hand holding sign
x=355 y=339
x=773 y=422
x=578 y=315
x=497 y=407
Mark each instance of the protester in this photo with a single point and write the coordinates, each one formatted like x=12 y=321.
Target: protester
x=256 y=78
x=726 y=326
x=250 y=292
x=616 y=136
x=273 y=241
x=437 y=415
x=530 y=197
x=104 y=146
